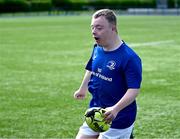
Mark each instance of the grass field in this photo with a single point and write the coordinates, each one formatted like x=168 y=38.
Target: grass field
x=42 y=63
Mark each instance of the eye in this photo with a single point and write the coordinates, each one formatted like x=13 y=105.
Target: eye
x=99 y=28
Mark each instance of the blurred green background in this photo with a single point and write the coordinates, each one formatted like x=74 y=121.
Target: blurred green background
x=42 y=62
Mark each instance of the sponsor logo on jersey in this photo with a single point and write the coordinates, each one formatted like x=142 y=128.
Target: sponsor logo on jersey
x=99 y=70
x=103 y=77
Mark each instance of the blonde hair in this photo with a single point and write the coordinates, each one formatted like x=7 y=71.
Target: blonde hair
x=109 y=15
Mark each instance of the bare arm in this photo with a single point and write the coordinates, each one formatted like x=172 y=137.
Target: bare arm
x=127 y=99
x=81 y=92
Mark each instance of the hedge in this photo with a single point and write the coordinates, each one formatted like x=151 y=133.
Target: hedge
x=98 y=4
x=47 y=5
x=122 y=4
x=171 y=3
x=12 y=6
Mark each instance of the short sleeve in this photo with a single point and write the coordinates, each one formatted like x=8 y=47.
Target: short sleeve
x=133 y=72
x=89 y=63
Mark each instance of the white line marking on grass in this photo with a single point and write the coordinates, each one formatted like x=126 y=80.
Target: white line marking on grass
x=155 y=43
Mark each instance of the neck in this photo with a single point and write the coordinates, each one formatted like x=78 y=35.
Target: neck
x=114 y=44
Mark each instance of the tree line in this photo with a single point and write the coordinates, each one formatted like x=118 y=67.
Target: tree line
x=78 y=5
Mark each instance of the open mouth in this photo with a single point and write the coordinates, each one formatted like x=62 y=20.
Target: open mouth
x=96 y=38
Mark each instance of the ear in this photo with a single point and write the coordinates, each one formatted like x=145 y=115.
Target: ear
x=114 y=28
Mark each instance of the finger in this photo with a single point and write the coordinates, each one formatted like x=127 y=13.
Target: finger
x=109 y=118
x=106 y=114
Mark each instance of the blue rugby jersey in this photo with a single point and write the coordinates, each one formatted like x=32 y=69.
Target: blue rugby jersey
x=113 y=72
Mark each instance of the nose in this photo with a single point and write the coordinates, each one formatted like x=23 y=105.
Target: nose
x=93 y=31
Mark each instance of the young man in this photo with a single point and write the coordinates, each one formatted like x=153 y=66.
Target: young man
x=113 y=77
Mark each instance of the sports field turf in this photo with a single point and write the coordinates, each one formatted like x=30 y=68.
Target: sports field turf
x=42 y=63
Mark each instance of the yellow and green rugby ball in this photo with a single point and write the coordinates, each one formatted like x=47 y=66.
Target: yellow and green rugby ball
x=94 y=118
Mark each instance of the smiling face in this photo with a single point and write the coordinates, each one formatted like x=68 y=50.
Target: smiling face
x=103 y=31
